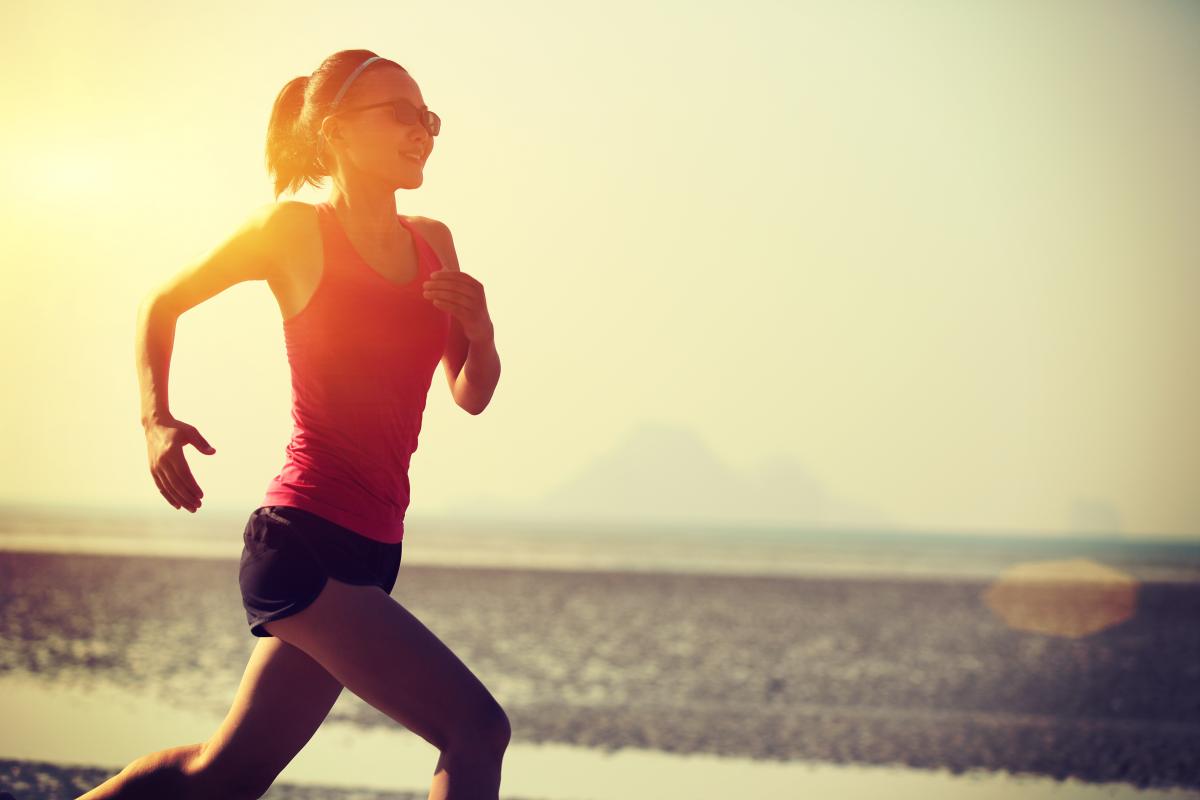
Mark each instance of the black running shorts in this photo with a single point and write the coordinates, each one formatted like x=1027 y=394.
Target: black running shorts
x=288 y=553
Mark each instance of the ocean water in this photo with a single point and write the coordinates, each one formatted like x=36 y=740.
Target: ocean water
x=584 y=545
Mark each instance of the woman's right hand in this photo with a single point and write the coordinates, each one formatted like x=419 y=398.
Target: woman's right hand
x=164 y=447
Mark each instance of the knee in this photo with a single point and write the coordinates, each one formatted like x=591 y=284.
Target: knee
x=500 y=730
x=489 y=731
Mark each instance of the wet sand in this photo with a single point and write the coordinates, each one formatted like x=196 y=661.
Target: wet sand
x=38 y=780
x=907 y=673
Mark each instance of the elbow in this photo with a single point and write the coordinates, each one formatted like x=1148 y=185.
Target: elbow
x=147 y=307
x=147 y=302
x=473 y=404
x=155 y=302
x=472 y=399
x=473 y=409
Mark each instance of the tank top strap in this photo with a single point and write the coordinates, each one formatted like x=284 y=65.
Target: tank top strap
x=337 y=250
x=429 y=261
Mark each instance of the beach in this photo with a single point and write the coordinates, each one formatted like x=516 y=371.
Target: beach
x=902 y=673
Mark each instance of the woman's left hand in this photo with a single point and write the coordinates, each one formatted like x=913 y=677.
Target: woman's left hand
x=461 y=295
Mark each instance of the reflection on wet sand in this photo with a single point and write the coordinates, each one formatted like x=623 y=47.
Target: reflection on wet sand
x=347 y=762
x=1070 y=598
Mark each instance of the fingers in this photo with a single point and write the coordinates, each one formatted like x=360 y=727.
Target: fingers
x=181 y=477
x=454 y=281
x=456 y=299
x=162 y=489
x=455 y=308
x=202 y=444
x=453 y=276
x=178 y=497
x=184 y=489
x=170 y=469
x=454 y=293
x=170 y=490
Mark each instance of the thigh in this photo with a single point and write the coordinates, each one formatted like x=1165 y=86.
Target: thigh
x=377 y=649
x=282 y=700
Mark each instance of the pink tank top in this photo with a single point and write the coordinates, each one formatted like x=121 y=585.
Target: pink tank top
x=362 y=355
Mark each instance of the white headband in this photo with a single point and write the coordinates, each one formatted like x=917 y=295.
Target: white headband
x=350 y=80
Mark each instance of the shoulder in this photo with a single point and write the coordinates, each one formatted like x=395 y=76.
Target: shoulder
x=291 y=215
x=282 y=221
x=289 y=228
x=437 y=233
x=430 y=227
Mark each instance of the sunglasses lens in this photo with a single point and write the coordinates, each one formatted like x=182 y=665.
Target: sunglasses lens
x=406 y=113
x=411 y=115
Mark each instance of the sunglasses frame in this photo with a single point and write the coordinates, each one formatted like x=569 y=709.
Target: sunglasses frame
x=424 y=115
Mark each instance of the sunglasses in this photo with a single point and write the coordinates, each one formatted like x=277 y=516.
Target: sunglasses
x=405 y=112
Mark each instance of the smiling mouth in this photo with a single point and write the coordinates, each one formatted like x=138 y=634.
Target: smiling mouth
x=411 y=157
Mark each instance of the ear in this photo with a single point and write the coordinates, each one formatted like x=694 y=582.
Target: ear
x=330 y=129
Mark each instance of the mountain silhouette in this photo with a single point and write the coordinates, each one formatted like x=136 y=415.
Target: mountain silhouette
x=665 y=472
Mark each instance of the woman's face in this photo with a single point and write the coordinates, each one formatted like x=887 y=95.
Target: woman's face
x=373 y=143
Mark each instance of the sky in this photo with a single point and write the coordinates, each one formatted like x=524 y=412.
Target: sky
x=921 y=266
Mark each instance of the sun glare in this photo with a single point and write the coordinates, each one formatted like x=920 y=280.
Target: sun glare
x=62 y=175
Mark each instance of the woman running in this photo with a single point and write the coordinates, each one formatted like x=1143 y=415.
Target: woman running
x=371 y=302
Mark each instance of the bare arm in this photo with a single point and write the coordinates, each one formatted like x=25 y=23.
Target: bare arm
x=154 y=338
x=476 y=382
x=251 y=253
x=471 y=363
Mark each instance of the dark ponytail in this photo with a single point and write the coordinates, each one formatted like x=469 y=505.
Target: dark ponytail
x=291 y=155
x=294 y=148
